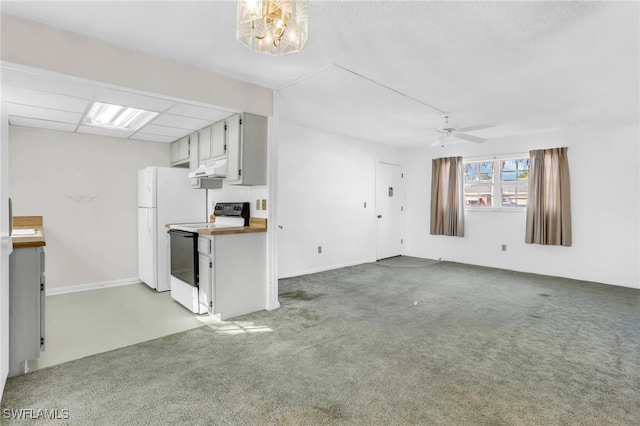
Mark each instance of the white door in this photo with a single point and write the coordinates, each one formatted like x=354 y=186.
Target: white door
x=147 y=247
x=389 y=210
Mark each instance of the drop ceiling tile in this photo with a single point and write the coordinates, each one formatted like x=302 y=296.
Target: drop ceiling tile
x=153 y=129
x=104 y=132
x=37 y=98
x=41 y=124
x=180 y=122
x=153 y=138
x=195 y=111
x=26 y=111
x=33 y=79
x=119 y=97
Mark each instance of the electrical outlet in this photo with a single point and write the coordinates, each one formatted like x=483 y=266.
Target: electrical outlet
x=264 y=204
x=258 y=204
x=319 y=249
x=504 y=247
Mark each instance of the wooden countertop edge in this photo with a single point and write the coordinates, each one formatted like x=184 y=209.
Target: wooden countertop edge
x=26 y=241
x=256 y=224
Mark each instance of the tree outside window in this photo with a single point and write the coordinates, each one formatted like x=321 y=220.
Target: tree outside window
x=485 y=182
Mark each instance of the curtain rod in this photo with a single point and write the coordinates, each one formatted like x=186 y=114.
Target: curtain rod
x=506 y=156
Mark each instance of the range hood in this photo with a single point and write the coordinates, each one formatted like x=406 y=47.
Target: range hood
x=213 y=170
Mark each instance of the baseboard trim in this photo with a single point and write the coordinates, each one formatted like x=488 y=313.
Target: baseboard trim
x=92 y=286
x=324 y=268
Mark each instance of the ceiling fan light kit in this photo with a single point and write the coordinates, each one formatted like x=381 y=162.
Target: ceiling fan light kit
x=274 y=27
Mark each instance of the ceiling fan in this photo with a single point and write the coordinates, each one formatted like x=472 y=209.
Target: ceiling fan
x=449 y=130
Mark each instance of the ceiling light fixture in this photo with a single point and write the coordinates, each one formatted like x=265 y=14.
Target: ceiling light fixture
x=275 y=27
x=118 y=117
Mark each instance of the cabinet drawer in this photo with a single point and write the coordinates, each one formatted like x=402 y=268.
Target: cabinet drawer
x=204 y=246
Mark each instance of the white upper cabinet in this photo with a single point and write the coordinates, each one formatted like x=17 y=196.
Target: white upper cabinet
x=194 y=163
x=180 y=151
x=219 y=140
x=212 y=142
x=205 y=153
x=247 y=149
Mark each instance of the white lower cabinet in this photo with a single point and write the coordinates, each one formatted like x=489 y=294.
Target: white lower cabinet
x=233 y=274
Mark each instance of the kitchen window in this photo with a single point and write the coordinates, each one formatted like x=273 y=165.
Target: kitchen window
x=496 y=184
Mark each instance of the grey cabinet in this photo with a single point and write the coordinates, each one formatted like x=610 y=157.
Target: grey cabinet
x=233 y=285
x=26 y=307
x=247 y=149
x=219 y=140
x=212 y=142
x=194 y=162
x=204 y=145
x=180 y=152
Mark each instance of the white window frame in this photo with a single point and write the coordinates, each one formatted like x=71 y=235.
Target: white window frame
x=497 y=182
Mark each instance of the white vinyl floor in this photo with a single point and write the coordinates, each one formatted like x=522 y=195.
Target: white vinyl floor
x=90 y=322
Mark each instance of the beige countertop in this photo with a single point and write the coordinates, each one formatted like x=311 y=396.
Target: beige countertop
x=28 y=238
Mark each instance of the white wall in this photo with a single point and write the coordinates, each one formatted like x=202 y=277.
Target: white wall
x=323 y=181
x=93 y=238
x=5 y=248
x=40 y=46
x=605 y=210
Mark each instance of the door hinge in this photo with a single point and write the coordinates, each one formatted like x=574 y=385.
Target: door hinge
x=210 y=264
x=211 y=304
x=241 y=121
x=41 y=286
x=41 y=341
x=225 y=147
x=239 y=172
x=225 y=127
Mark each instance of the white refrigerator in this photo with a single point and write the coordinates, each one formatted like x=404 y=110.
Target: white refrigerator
x=165 y=196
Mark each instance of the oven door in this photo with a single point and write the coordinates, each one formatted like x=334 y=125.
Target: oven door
x=184 y=256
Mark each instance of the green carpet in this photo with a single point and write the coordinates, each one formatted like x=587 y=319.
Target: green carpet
x=426 y=342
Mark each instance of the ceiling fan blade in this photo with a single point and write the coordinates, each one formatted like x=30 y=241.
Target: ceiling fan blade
x=477 y=127
x=469 y=138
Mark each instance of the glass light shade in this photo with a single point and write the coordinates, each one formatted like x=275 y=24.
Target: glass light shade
x=275 y=27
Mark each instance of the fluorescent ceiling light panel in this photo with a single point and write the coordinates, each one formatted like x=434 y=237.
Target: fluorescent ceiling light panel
x=118 y=117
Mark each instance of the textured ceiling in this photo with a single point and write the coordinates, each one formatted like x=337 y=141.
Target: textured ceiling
x=526 y=66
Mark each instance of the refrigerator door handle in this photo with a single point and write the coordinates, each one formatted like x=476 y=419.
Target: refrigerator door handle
x=149 y=178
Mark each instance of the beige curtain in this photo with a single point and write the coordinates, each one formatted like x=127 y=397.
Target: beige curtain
x=549 y=200
x=447 y=214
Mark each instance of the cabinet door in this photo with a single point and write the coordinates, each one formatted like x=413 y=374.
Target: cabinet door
x=234 y=149
x=180 y=151
x=204 y=145
x=205 y=282
x=219 y=140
